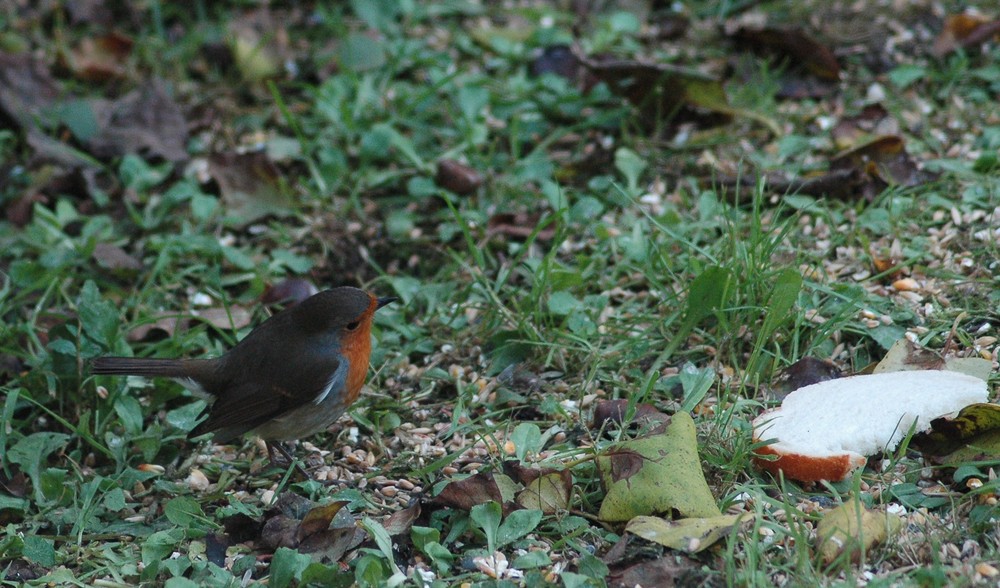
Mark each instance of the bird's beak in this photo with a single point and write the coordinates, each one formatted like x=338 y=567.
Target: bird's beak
x=380 y=302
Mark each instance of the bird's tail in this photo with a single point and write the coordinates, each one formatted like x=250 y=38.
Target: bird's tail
x=137 y=366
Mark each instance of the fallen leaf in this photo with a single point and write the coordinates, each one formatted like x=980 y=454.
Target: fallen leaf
x=662 y=572
x=872 y=120
x=27 y=89
x=401 y=521
x=457 y=177
x=519 y=226
x=549 y=493
x=973 y=426
x=882 y=162
x=905 y=355
x=688 y=535
x=250 y=185
x=656 y=475
x=159 y=326
x=793 y=44
x=664 y=91
x=613 y=412
x=144 y=121
x=557 y=60
x=259 y=44
x=226 y=318
x=318 y=519
x=851 y=528
x=288 y=292
x=464 y=494
x=807 y=370
x=964 y=30
x=242 y=527
x=101 y=59
x=115 y=258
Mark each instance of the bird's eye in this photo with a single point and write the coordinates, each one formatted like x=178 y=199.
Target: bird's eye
x=354 y=325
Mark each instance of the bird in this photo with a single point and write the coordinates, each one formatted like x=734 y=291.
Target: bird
x=289 y=378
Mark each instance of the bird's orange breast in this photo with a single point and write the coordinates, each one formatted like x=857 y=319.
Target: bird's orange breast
x=356 y=346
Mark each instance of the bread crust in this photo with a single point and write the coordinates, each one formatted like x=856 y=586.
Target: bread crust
x=807 y=468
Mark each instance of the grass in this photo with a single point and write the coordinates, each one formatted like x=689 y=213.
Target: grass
x=604 y=256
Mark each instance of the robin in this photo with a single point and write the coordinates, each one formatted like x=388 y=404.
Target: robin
x=291 y=377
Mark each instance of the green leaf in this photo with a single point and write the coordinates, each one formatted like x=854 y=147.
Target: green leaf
x=129 y=411
x=527 y=438
x=421 y=536
x=359 y=52
x=787 y=285
x=573 y=580
x=696 y=383
x=39 y=550
x=786 y=291
x=487 y=517
x=592 y=567
x=114 y=500
x=33 y=451
x=904 y=75
x=156 y=548
x=631 y=166
x=517 y=524
x=99 y=318
x=707 y=295
x=287 y=566
x=532 y=560
x=384 y=542
x=78 y=116
x=184 y=511
x=562 y=303
x=186 y=417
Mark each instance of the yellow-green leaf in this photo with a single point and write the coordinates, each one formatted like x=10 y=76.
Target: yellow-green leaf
x=656 y=474
x=851 y=528
x=690 y=535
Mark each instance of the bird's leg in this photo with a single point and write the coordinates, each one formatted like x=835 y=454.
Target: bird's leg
x=279 y=456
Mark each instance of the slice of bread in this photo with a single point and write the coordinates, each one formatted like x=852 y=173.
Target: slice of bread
x=826 y=430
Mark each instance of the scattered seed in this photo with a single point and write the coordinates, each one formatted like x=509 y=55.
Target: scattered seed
x=198 y=480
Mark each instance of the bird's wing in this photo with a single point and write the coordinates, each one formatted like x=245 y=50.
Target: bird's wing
x=265 y=392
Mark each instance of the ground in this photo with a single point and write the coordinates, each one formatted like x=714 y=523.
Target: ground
x=616 y=229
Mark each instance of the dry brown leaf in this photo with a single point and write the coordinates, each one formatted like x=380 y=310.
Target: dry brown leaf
x=115 y=258
x=288 y=292
x=27 y=89
x=251 y=186
x=519 y=226
x=144 y=121
x=793 y=44
x=964 y=30
x=100 y=59
x=226 y=318
x=464 y=494
x=457 y=177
